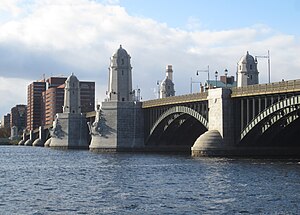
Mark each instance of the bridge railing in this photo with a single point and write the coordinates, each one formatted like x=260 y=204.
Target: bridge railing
x=176 y=100
x=263 y=89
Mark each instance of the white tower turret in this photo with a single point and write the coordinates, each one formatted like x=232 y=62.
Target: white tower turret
x=72 y=95
x=167 y=85
x=247 y=71
x=120 y=77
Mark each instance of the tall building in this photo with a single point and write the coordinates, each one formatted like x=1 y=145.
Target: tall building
x=167 y=85
x=247 y=73
x=5 y=122
x=53 y=101
x=120 y=80
x=87 y=96
x=18 y=117
x=53 y=98
x=34 y=104
x=46 y=98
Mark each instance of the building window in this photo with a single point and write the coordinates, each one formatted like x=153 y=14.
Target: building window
x=123 y=99
x=122 y=72
x=122 y=61
x=250 y=66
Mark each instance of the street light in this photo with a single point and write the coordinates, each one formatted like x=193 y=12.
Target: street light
x=158 y=88
x=216 y=76
x=226 y=73
x=204 y=70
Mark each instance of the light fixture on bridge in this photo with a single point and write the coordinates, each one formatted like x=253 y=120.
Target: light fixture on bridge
x=216 y=76
x=226 y=73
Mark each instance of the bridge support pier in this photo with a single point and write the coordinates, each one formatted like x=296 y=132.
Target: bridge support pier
x=29 y=141
x=119 y=126
x=220 y=135
x=41 y=139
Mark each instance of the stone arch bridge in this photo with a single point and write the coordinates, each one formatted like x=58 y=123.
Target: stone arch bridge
x=254 y=120
x=258 y=119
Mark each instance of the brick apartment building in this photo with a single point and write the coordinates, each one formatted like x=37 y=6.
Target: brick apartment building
x=52 y=99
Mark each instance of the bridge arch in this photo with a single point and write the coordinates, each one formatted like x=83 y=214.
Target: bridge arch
x=180 y=109
x=176 y=124
x=284 y=112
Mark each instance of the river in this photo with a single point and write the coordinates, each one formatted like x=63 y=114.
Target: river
x=45 y=181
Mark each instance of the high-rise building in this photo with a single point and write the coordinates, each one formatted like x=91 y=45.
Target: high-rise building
x=18 y=117
x=34 y=104
x=87 y=96
x=5 y=122
x=51 y=100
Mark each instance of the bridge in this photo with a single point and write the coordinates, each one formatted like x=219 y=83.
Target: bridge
x=258 y=118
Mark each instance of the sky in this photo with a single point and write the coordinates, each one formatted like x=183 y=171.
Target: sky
x=59 y=37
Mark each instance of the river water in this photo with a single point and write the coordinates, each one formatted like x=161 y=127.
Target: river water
x=37 y=180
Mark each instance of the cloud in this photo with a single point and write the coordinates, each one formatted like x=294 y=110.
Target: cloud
x=11 y=7
x=60 y=37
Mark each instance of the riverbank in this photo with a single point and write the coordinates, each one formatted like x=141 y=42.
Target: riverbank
x=6 y=141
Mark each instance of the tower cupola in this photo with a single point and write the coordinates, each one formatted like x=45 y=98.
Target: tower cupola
x=247 y=71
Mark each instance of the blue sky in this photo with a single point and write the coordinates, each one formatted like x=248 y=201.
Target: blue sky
x=220 y=14
x=60 y=37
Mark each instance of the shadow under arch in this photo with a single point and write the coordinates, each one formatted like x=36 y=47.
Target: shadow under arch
x=177 y=127
x=271 y=125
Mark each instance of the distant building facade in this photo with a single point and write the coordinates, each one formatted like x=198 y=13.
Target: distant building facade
x=53 y=99
x=46 y=98
x=87 y=96
x=5 y=122
x=18 y=117
x=34 y=104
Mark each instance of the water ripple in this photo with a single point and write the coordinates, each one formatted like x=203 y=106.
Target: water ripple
x=39 y=181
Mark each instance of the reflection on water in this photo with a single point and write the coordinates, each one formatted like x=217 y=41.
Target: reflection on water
x=45 y=181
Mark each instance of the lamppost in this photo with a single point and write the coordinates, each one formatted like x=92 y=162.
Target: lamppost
x=269 y=70
x=158 y=87
x=226 y=73
x=204 y=70
x=216 y=76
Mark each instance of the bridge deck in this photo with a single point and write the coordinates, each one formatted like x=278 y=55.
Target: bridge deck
x=195 y=97
x=267 y=89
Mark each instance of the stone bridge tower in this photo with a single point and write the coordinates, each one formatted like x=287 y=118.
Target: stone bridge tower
x=247 y=71
x=120 y=78
x=119 y=123
x=167 y=85
x=69 y=128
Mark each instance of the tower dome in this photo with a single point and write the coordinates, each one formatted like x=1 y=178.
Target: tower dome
x=247 y=59
x=247 y=71
x=120 y=52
